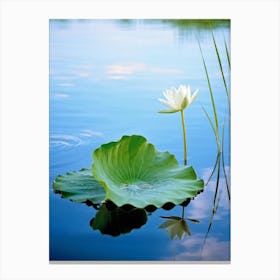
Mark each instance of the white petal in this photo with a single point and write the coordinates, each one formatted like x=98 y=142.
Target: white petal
x=189 y=94
x=173 y=98
x=168 y=95
x=183 y=90
x=194 y=96
x=166 y=103
x=165 y=93
x=179 y=99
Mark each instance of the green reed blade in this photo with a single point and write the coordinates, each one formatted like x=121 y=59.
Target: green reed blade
x=221 y=68
x=209 y=119
x=228 y=56
x=213 y=128
x=214 y=169
x=211 y=93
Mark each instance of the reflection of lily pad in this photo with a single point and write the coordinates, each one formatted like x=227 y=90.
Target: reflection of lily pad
x=133 y=172
x=79 y=186
x=118 y=221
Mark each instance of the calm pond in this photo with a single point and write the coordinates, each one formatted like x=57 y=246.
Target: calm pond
x=105 y=80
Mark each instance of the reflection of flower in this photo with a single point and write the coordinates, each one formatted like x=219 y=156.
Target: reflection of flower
x=177 y=226
x=177 y=99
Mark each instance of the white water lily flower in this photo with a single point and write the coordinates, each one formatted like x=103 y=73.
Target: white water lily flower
x=178 y=99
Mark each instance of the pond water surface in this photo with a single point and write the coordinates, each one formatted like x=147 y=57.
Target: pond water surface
x=105 y=80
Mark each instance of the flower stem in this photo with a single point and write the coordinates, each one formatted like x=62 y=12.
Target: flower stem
x=185 y=137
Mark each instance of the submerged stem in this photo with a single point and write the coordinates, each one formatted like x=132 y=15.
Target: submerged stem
x=183 y=212
x=185 y=137
x=216 y=201
x=223 y=162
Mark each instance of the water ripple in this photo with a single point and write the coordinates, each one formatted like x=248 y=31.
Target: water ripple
x=64 y=141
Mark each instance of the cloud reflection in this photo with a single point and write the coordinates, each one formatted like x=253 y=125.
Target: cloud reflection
x=214 y=249
x=84 y=74
x=122 y=71
x=90 y=133
x=66 y=85
x=125 y=69
x=59 y=95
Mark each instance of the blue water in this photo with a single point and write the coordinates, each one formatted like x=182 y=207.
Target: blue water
x=105 y=79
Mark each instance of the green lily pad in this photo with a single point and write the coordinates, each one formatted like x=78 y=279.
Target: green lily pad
x=133 y=172
x=79 y=186
x=118 y=221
